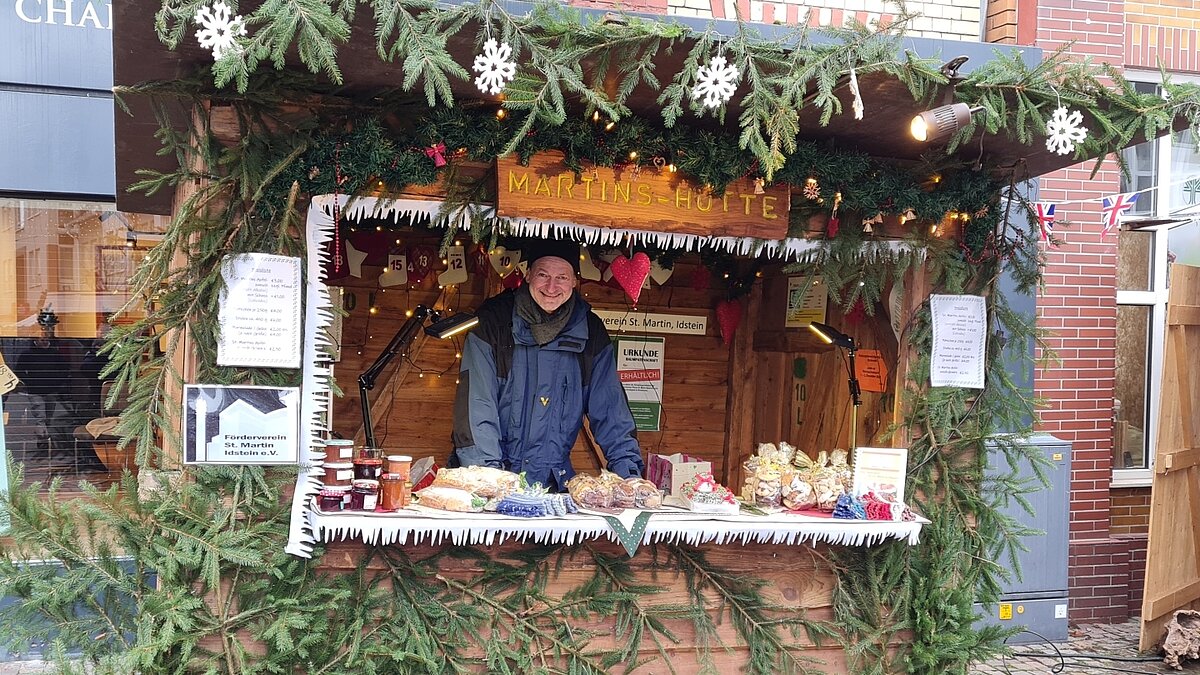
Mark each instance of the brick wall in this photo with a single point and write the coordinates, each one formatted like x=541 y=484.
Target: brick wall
x=1079 y=308
x=1106 y=578
x=1108 y=525
x=947 y=19
x=1162 y=31
x=1000 y=22
x=1130 y=512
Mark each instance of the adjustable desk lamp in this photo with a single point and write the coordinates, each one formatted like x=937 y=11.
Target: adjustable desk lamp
x=441 y=328
x=832 y=336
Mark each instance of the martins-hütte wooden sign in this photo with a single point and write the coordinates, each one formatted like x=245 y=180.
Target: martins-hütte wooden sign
x=648 y=198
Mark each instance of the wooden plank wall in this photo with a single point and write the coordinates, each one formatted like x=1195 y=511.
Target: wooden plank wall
x=797 y=578
x=700 y=381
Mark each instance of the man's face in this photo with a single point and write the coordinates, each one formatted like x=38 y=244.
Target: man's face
x=551 y=281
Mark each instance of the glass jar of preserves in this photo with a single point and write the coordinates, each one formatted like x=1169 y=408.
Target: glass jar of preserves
x=390 y=486
x=339 y=449
x=401 y=464
x=364 y=495
x=338 y=474
x=332 y=499
x=367 y=468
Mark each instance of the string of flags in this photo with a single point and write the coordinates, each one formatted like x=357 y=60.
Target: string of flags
x=1112 y=211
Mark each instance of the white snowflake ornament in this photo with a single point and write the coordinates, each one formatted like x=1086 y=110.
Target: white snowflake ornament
x=716 y=82
x=1063 y=131
x=495 y=67
x=219 y=29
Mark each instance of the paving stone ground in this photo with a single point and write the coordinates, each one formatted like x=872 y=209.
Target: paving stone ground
x=1118 y=642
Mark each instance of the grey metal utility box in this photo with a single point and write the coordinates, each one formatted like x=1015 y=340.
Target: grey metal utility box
x=1038 y=600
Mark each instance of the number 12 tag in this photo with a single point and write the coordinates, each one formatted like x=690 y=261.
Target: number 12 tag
x=456 y=267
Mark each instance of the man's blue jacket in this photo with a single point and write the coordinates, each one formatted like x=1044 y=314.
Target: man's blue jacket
x=520 y=406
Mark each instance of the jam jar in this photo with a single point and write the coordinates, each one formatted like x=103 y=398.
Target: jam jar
x=338 y=474
x=367 y=468
x=332 y=499
x=390 y=487
x=364 y=495
x=339 y=450
x=400 y=464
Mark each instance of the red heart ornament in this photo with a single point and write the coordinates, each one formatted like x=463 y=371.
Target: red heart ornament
x=729 y=317
x=631 y=273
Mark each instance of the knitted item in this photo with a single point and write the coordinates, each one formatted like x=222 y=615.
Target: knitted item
x=849 y=508
x=530 y=505
x=879 y=509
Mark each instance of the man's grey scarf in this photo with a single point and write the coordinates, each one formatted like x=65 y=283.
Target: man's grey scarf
x=545 y=326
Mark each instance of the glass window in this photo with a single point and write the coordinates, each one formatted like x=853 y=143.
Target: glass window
x=1142 y=160
x=1183 y=242
x=1130 y=405
x=1185 y=172
x=66 y=266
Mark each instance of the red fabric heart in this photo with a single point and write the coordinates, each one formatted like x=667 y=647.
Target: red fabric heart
x=857 y=313
x=631 y=273
x=831 y=229
x=729 y=317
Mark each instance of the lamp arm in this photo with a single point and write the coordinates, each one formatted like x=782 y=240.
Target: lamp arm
x=399 y=342
x=855 y=390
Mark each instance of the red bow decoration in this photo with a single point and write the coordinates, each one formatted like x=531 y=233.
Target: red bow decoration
x=437 y=153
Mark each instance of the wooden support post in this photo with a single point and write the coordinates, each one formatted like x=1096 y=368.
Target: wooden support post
x=916 y=291
x=1173 y=549
x=739 y=407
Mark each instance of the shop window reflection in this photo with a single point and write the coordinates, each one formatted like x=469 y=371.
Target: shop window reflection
x=68 y=266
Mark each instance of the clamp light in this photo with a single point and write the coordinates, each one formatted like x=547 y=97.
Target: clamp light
x=940 y=123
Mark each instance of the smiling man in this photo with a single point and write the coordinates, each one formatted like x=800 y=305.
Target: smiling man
x=538 y=361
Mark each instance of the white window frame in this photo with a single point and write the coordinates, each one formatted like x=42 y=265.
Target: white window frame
x=1155 y=298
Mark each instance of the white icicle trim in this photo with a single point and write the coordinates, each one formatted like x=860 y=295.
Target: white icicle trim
x=410 y=528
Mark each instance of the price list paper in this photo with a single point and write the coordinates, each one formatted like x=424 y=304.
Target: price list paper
x=959 y=340
x=260 y=311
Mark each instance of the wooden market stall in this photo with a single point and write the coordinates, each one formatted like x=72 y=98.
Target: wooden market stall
x=350 y=176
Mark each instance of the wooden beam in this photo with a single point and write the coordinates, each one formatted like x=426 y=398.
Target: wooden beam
x=1176 y=460
x=1183 y=315
x=1170 y=601
x=916 y=291
x=739 y=406
x=1183 y=366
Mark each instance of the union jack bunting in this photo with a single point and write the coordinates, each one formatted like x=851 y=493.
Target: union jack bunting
x=1045 y=216
x=1114 y=208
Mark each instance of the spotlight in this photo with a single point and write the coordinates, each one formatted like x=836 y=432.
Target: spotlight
x=831 y=336
x=940 y=123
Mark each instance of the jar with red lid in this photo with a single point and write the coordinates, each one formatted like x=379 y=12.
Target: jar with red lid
x=364 y=495
x=332 y=499
x=338 y=474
